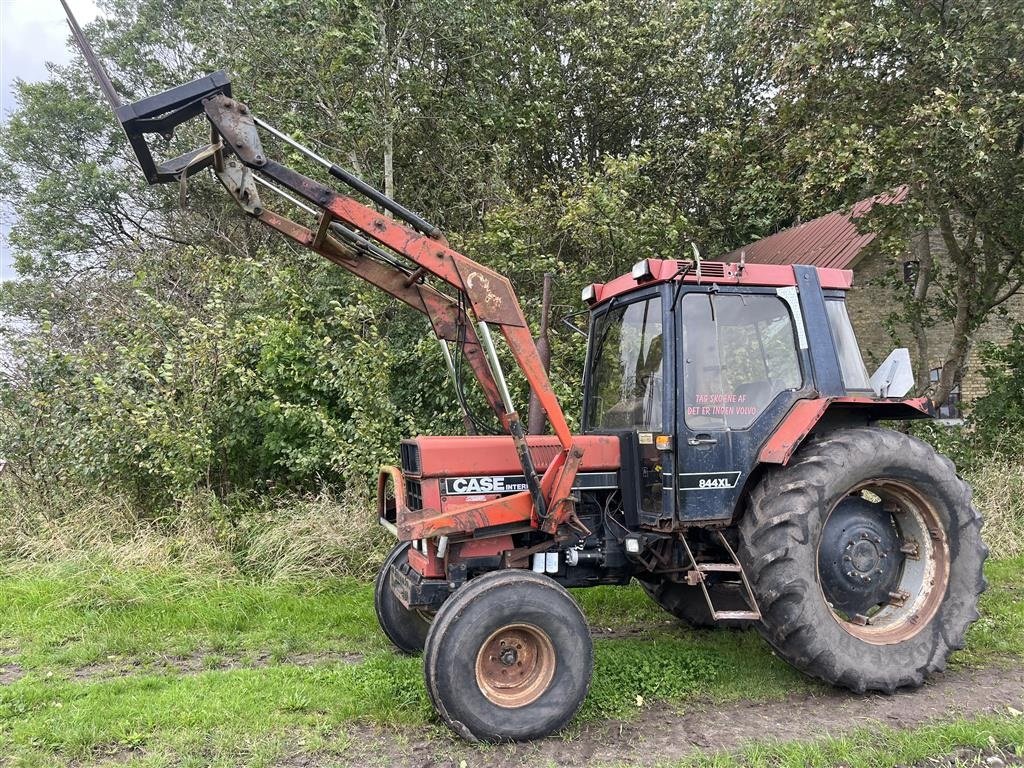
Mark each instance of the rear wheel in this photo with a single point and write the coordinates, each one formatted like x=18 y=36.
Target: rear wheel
x=406 y=629
x=509 y=658
x=865 y=556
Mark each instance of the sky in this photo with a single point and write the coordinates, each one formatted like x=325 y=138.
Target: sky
x=32 y=32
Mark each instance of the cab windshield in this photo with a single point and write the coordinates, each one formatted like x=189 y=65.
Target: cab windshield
x=626 y=389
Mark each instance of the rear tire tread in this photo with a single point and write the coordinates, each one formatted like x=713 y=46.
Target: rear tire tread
x=776 y=537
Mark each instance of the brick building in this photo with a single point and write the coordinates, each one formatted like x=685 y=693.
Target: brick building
x=833 y=241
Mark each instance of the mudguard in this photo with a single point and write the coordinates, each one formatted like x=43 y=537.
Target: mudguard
x=806 y=414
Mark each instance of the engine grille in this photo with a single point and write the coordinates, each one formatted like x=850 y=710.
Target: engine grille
x=410 y=455
x=413 y=494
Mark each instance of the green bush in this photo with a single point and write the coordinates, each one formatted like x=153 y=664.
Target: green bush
x=997 y=418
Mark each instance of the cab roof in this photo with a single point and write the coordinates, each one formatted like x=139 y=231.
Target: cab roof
x=712 y=272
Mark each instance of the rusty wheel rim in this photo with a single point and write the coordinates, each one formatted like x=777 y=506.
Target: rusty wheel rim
x=515 y=665
x=923 y=575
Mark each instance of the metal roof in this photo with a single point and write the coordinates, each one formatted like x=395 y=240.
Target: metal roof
x=831 y=240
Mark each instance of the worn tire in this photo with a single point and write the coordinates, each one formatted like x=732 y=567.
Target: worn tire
x=407 y=630
x=779 y=539
x=461 y=674
x=687 y=603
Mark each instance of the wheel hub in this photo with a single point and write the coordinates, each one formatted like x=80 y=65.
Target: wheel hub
x=864 y=556
x=859 y=557
x=515 y=665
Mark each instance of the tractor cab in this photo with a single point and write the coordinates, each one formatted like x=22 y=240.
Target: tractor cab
x=696 y=366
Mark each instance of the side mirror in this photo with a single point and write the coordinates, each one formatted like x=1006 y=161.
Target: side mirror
x=895 y=376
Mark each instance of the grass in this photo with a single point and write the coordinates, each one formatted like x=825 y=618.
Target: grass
x=877 y=747
x=71 y=615
x=999 y=495
x=73 y=630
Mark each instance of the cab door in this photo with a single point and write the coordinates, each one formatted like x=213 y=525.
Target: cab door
x=740 y=363
x=630 y=391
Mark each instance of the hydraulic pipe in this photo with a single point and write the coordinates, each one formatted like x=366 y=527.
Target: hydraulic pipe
x=356 y=183
x=515 y=426
x=535 y=418
x=338 y=229
x=467 y=418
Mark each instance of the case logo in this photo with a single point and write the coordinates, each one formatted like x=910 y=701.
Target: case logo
x=481 y=484
x=466 y=486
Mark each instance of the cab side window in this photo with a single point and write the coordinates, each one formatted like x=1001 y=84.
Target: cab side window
x=739 y=354
x=627 y=390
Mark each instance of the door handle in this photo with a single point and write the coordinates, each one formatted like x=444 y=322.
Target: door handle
x=702 y=439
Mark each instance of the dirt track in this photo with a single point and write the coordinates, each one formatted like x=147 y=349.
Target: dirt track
x=661 y=735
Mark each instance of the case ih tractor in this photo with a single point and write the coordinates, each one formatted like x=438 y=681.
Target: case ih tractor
x=730 y=457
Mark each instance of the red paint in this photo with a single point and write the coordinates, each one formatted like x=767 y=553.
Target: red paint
x=496 y=454
x=429 y=566
x=481 y=548
x=442 y=457
x=791 y=432
x=803 y=417
x=719 y=273
x=429 y=523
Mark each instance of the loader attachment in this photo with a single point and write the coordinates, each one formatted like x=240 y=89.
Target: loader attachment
x=161 y=114
x=398 y=251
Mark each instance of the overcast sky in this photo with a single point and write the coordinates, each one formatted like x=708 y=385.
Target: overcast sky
x=32 y=32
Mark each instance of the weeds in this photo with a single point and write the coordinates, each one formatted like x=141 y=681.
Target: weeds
x=292 y=537
x=311 y=538
x=277 y=539
x=999 y=496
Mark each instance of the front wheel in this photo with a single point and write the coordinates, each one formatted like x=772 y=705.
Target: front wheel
x=508 y=658
x=865 y=556
x=406 y=629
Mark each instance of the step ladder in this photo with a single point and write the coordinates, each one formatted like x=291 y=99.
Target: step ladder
x=696 y=577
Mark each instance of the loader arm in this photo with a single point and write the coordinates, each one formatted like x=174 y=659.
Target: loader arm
x=396 y=251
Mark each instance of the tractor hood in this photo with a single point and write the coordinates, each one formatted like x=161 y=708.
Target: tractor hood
x=496 y=454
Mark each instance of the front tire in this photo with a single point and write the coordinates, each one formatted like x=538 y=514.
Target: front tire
x=508 y=658
x=406 y=629
x=865 y=557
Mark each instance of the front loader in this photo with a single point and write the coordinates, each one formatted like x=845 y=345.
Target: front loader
x=730 y=458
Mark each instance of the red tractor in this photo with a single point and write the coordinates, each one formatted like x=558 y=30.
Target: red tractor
x=730 y=458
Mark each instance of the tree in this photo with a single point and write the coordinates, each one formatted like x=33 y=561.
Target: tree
x=157 y=348
x=930 y=94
